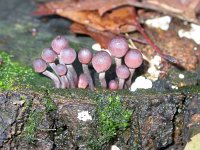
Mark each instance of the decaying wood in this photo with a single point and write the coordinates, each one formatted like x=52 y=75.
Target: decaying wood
x=156 y=122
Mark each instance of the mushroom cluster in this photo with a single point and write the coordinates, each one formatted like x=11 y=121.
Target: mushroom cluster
x=60 y=58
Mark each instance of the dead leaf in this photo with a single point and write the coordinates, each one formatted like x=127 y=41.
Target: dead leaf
x=183 y=9
x=88 y=5
x=117 y=21
x=102 y=38
x=194 y=144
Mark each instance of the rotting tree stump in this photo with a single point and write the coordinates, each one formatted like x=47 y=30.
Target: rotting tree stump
x=158 y=121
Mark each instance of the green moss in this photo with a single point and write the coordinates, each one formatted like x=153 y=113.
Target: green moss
x=112 y=117
x=190 y=78
x=49 y=103
x=12 y=74
x=30 y=129
x=190 y=89
x=35 y=117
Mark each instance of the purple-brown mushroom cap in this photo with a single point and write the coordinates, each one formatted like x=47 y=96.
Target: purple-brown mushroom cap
x=101 y=61
x=122 y=72
x=118 y=46
x=59 y=43
x=48 y=55
x=113 y=85
x=61 y=69
x=39 y=65
x=67 y=55
x=133 y=58
x=83 y=81
x=85 y=56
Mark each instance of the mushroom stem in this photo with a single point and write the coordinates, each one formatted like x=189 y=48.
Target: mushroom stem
x=121 y=83
x=69 y=74
x=53 y=77
x=53 y=66
x=73 y=74
x=128 y=82
x=87 y=72
x=70 y=79
x=102 y=79
x=118 y=62
x=64 y=81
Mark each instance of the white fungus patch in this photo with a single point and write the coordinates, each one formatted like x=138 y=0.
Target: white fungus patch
x=84 y=116
x=96 y=47
x=193 y=33
x=156 y=60
x=174 y=87
x=114 y=147
x=161 y=22
x=141 y=83
x=181 y=76
x=154 y=66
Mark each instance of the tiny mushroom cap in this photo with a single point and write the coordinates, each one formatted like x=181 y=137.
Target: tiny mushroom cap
x=48 y=55
x=113 y=85
x=59 y=43
x=61 y=69
x=133 y=58
x=122 y=72
x=39 y=65
x=118 y=46
x=85 y=56
x=83 y=81
x=67 y=55
x=101 y=61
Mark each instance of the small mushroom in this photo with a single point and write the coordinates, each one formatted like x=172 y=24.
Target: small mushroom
x=67 y=57
x=133 y=59
x=118 y=47
x=49 y=56
x=40 y=66
x=113 y=85
x=101 y=63
x=61 y=71
x=83 y=81
x=59 y=43
x=85 y=56
x=122 y=73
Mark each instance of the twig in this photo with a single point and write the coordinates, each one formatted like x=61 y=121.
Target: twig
x=153 y=45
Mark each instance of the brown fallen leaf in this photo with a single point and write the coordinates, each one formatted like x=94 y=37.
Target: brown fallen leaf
x=184 y=9
x=88 y=5
x=117 y=21
x=102 y=38
x=188 y=10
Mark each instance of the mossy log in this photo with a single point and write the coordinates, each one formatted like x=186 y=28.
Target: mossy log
x=46 y=121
